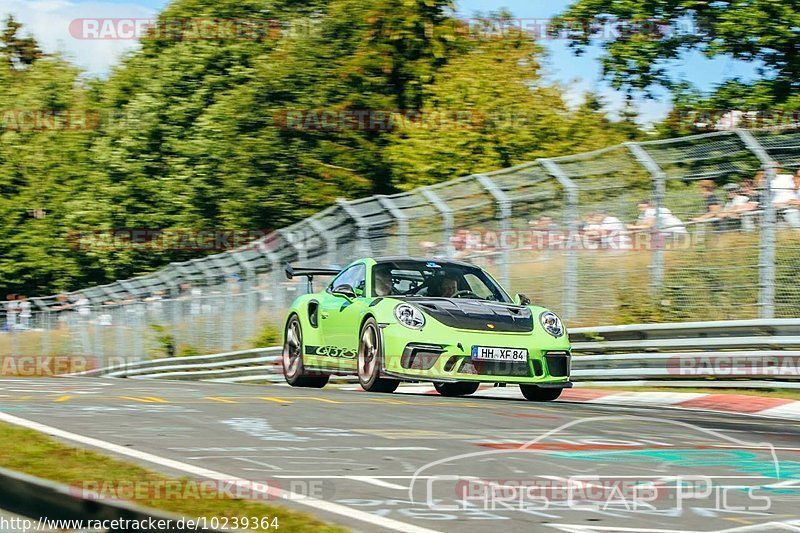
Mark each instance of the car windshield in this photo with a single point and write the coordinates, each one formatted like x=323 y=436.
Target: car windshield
x=435 y=279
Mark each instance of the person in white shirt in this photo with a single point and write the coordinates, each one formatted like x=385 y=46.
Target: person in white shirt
x=784 y=188
x=786 y=197
x=24 y=312
x=669 y=223
x=82 y=307
x=12 y=310
x=738 y=203
x=608 y=230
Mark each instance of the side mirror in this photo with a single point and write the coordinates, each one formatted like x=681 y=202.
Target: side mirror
x=347 y=291
x=521 y=299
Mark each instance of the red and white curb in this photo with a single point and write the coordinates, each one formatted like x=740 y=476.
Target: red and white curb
x=727 y=403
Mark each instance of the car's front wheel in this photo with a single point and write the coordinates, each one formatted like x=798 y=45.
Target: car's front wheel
x=539 y=394
x=294 y=371
x=461 y=388
x=370 y=360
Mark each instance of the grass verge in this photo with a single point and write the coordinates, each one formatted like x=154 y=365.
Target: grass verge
x=33 y=453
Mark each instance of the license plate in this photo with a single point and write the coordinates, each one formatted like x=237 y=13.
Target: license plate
x=487 y=353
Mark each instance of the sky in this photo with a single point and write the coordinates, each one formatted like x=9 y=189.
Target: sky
x=49 y=20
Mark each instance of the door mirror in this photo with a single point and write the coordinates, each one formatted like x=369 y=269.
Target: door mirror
x=521 y=299
x=347 y=291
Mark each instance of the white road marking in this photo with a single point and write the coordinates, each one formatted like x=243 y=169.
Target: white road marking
x=401 y=448
x=314 y=503
x=377 y=482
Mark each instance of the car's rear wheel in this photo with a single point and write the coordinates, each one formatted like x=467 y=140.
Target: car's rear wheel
x=370 y=360
x=461 y=388
x=539 y=394
x=294 y=371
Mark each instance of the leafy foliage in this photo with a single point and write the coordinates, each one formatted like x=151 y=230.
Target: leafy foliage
x=191 y=133
x=763 y=32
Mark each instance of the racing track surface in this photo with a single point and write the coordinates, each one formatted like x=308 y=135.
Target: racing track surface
x=361 y=451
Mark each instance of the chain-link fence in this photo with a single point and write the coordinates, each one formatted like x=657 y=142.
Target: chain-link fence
x=703 y=227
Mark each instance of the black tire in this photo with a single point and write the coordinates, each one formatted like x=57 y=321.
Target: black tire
x=461 y=388
x=538 y=394
x=294 y=371
x=370 y=360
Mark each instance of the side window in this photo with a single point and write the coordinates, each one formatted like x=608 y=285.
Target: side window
x=355 y=276
x=478 y=287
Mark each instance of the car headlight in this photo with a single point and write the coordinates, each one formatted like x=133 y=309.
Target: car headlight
x=551 y=323
x=409 y=316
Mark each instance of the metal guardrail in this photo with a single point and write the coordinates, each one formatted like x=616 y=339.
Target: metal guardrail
x=689 y=353
x=36 y=498
x=735 y=353
x=263 y=360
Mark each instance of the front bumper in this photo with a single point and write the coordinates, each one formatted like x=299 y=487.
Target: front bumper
x=446 y=356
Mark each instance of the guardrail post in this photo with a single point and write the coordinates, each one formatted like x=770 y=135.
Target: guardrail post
x=295 y=244
x=363 y=228
x=402 y=222
x=330 y=242
x=766 y=267
x=447 y=217
x=504 y=210
x=277 y=278
x=572 y=217
x=659 y=192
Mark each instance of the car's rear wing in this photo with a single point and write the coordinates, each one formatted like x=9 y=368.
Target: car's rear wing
x=291 y=272
x=309 y=273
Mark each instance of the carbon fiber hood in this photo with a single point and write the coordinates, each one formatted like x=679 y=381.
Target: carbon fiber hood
x=477 y=315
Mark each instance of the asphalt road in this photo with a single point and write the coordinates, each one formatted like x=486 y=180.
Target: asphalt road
x=440 y=464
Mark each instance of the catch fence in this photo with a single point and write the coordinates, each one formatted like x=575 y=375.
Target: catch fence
x=618 y=235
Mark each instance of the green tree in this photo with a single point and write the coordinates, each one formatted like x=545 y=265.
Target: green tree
x=19 y=51
x=763 y=32
x=46 y=186
x=192 y=132
x=489 y=108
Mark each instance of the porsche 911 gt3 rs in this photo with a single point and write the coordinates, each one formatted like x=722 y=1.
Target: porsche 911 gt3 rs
x=396 y=319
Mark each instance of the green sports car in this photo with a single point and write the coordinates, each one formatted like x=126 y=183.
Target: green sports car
x=396 y=319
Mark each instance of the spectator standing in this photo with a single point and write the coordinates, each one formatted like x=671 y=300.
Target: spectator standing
x=610 y=230
x=786 y=197
x=82 y=307
x=713 y=205
x=543 y=223
x=24 y=312
x=12 y=312
x=669 y=224
x=544 y=231
x=63 y=308
x=784 y=189
x=738 y=203
x=154 y=302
